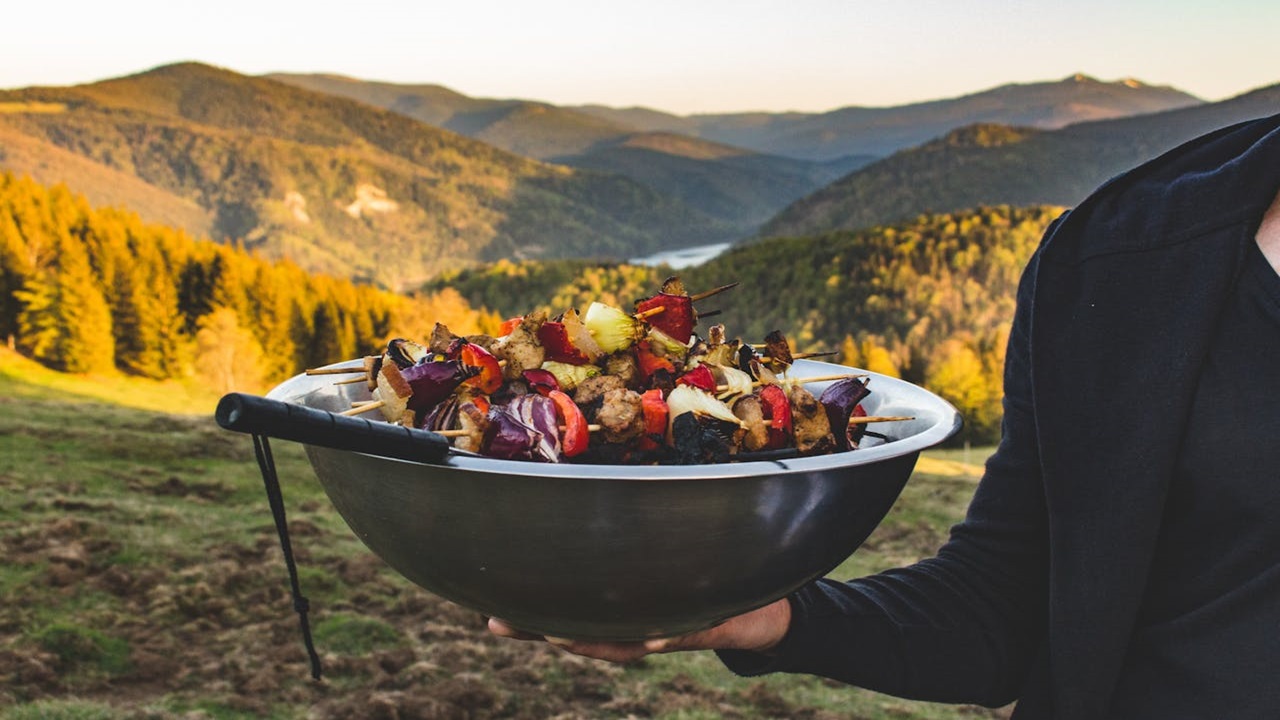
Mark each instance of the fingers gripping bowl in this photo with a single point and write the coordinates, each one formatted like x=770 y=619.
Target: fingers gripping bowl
x=620 y=552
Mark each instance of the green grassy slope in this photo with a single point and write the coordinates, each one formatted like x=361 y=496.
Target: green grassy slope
x=142 y=578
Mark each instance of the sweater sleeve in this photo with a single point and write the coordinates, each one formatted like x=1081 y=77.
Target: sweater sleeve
x=962 y=626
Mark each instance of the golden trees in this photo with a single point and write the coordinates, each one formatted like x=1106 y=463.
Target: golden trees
x=90 y=290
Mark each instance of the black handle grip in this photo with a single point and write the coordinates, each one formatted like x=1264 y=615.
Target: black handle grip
x=312 y=426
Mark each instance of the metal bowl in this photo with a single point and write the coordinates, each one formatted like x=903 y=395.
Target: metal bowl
x=615 y=552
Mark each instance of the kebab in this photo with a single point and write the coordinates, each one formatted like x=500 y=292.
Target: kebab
x=633 y=377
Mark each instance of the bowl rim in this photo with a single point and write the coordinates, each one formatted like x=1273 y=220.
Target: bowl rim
x=944 y=421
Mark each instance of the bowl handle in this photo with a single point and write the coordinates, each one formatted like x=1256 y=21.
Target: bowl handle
x=311 y=426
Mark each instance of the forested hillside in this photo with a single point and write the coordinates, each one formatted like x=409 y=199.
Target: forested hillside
x=742 y=188
x=995 y=164
x=337 y=186
x=929 y=300
x=98 y=290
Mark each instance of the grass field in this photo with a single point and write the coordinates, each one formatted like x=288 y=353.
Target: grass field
x=141 y=578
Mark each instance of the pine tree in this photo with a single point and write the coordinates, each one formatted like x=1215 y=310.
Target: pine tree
x=65 y=321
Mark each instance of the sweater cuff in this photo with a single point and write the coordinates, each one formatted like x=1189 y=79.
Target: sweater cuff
x=748 y=663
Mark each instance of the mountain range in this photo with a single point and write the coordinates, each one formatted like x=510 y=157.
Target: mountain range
x=740 y=168
x=336 y=185
x=988 y=164
x=393 y=184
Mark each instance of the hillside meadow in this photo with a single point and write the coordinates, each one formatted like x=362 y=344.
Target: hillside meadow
x=143 y=578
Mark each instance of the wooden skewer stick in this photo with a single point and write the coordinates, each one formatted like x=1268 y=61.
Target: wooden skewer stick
x=863 y=420
x=352 y=381
x=799 y=355
x=819 y=378
x=713 y=291
x=335 y=371
x=360 y=409
x=646 y=314
x=825 y=378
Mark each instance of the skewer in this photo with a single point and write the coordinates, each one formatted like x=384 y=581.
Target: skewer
x=709 y=313
x=335 y=371
x=713 y=291
x=863 y=420
x=646 y=314
x=825 y=378
x=352 y=381
x=816 y=378
x=799 y=355
x=360 y=409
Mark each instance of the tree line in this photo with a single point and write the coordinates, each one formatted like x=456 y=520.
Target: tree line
x=90 y=290
x=930 y=301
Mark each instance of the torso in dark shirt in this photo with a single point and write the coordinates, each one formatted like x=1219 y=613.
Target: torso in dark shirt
x=1209 y=631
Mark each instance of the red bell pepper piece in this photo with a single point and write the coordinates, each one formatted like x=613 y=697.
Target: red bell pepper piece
x=650 y=363
x=699 y=377
x=508 y=325
x=555 y=340
x=576 y=436
x=777 y=410
x=654 y=409
x=489 y=379
x=676 y=319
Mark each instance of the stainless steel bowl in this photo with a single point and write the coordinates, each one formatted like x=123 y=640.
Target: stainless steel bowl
x=613 y=552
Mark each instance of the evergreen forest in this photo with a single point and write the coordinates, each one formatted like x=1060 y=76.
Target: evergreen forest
x=88 y=290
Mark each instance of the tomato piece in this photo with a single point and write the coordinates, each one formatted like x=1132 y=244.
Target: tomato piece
x=654 y=409
x=777 y=410
x=699 y=377
x=576 y=436
x=676 y=318
x=489 y=379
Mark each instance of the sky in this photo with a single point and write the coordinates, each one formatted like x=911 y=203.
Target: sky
x=682 y=56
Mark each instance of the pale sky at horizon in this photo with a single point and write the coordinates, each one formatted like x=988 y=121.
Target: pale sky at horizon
x=683 y=57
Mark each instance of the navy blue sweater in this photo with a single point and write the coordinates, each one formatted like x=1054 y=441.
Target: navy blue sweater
x=1043 y=594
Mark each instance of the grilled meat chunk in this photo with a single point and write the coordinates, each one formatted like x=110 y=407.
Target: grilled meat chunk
x=809 y=420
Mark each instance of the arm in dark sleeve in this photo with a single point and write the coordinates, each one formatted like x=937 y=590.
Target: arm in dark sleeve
x=963 y=626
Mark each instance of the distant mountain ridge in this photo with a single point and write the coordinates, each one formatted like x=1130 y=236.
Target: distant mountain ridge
x=988 y=164
x=741 y=168
x=880 y=131
x=336 y=185
x=739 y=187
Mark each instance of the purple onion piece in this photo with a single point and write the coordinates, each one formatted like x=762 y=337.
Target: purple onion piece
x=441 y=417
x=524 y=429
x=433 y=382
x=506 y=438
x=839 y=400
x=539 y=413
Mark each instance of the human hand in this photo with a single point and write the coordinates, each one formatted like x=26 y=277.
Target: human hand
x=759 y=630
